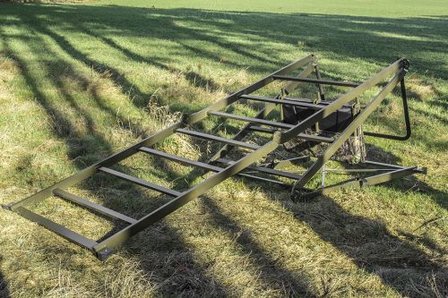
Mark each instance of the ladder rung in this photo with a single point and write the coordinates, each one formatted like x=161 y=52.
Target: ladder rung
x=57 y=228
x=263 y=129
x=254 y=177
x=264 y=170
x=296 y=102
x=218 y=139
x=301 y=135
x=181 y=159
x=323 y=82
x=202 y=164
x=252 y=120
x=90 y=205
x=141 y=182
x=316 y=138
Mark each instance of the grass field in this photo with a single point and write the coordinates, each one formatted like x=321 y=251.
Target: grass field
x=80 y=81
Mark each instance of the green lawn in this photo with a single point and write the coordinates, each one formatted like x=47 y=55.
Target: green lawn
x=81 y=81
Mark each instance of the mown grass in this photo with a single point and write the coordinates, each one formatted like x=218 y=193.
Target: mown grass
x=78 y=82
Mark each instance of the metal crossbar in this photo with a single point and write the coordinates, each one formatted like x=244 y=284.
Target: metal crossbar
x=206 y=136
x=298 y=102
x=304 y=136
x=199 y=164
x=252 y=120
x=221 y=164
x=92 y=206
x=321 y=82
x=140 y=182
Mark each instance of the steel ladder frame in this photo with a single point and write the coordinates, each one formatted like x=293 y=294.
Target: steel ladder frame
x=281 y=133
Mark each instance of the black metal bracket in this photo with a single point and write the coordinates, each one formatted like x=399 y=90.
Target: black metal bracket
x=407 y=121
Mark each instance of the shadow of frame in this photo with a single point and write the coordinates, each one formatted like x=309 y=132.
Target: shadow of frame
x=4 y=290
x=399 y=264
x=161 y=259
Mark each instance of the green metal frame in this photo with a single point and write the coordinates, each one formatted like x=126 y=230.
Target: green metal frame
x=281 y=133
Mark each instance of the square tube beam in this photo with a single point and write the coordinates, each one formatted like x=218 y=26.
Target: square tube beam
x=92 y=206
x=57 y=228
x=140 y=182
x=252 y=120
x=104 y=248
x=317 y=81
x=206 y=136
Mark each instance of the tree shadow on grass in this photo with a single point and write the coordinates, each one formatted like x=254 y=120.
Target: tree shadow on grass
x=370 y=245
x=370 y=39
x=194 y=78
x=288 y=284
x=368 y=242
x=375 y=39
x=4 y=291
x=168 y=260
x=161 y=259
x=246 y=40
x=396 y=259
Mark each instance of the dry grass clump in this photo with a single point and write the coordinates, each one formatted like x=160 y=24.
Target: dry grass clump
x=188 y=88
x=419 y=90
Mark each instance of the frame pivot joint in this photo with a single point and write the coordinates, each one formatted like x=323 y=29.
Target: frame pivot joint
x=104 y=253
x=405 y=64
x=363 y=182
x=421 y=170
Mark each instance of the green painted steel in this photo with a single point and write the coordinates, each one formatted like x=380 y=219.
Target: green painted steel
x=222 y=166
x=355 y=124
x=92 y=206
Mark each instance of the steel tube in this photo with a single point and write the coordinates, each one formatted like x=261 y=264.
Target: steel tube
x=198 y=116
x=202 y=165
x=57 y=228
x=92 y=206
x=317 y=81
x=407 y=120
x=264 y=170
x=140 y=182
x=104 y=247
x=218 y=139
x=313 y=138
x=252 y=120
x=284 y=101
